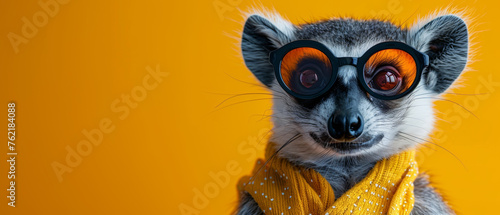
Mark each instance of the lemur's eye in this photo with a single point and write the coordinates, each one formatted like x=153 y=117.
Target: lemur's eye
x=308 y=78
x=390 y=72
x=386 y=78
x=306 y=70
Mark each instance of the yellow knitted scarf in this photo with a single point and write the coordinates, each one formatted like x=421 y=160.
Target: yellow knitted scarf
x=283 y=188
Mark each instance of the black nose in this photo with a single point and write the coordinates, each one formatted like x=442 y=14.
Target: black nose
x=347 y=125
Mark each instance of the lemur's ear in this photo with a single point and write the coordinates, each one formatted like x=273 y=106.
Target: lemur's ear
x=445 y=40
x=261 y=36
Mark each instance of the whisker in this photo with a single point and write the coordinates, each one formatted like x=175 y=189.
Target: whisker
x=254 y=84
x=246 y=82
x=454 y=102
x=295 y=137
x=458 y=94
x=467 y=94
x=251 y=100
x=242 y=94
x=424 y=140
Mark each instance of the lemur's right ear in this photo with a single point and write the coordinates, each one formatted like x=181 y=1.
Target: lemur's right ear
x=260 y=37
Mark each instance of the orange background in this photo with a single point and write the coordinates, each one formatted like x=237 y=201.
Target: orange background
x=66 y=77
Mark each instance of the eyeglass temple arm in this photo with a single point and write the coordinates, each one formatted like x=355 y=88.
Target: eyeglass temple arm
x=426 y=59
x=272 y=56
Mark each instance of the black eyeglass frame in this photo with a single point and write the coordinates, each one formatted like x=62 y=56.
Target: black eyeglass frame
x=276 y=58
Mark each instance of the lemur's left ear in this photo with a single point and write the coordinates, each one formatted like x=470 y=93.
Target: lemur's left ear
x=261 y=36
x=445 y=40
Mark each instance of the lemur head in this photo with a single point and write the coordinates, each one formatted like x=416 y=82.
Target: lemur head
x=376 y=115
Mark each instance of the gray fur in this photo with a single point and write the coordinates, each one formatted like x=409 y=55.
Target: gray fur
x=248 y=206
x=349 y=32
x=401 y=123
x=427 y=199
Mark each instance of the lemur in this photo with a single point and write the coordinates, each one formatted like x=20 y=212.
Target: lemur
x=346 y=123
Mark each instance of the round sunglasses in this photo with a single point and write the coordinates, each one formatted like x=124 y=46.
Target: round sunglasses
x=307 y=69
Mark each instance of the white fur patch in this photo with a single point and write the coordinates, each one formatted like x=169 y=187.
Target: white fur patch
x=285 y=26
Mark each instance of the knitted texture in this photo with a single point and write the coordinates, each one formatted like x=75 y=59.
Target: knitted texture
x=283 y=188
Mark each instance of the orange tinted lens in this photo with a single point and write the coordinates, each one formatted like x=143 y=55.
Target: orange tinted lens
x=390 y=72
x=306 y=70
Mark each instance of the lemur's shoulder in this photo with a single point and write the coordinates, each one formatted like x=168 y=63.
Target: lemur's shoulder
x=427 y=199
x=248 y=206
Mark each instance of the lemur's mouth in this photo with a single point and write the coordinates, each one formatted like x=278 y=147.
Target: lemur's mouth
x=346 y=147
